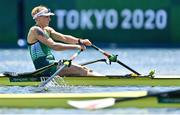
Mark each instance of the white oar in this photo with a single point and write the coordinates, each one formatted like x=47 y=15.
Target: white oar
x=108 y=102
x=66 y=64
x=93 y=104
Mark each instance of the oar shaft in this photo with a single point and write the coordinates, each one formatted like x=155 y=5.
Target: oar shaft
x=59 y=70
x=149 y=94
x=109 y=55
x=128 y=67
x=50 y=78
x=75 y=55
x=100 y=50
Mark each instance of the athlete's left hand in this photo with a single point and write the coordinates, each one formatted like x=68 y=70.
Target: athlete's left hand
x=86 y=42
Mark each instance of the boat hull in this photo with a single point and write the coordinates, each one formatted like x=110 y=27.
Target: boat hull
x=97 y=81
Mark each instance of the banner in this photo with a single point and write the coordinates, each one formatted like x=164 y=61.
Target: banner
x=117 y=21
x=113 y=21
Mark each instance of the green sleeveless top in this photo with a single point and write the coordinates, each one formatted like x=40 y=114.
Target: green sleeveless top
x=39 y=49
x=42 y=56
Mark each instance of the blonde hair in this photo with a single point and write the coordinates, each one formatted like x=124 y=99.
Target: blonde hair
x=37 y=9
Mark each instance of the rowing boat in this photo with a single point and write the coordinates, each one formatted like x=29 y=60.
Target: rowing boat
x=121 y=80
x=54 y=100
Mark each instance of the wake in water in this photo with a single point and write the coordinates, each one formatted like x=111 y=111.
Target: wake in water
x=55 y=82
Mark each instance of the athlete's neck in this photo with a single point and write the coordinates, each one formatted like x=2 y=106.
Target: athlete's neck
x=41 y=26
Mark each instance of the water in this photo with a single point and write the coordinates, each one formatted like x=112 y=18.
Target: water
x=119 y=111
x=163 y=61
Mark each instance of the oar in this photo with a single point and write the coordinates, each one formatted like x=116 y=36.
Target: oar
x=30 y=74
x=65 y=64
x=108 y=102
x=113 y=58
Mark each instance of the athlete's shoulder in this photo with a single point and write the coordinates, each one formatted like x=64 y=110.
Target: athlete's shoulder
x=34 y=28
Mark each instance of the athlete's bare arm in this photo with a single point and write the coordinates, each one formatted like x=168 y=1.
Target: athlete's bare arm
x=68 y=38
x=36 y=33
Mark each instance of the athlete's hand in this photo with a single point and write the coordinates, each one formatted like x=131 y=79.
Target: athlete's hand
x=86 y=42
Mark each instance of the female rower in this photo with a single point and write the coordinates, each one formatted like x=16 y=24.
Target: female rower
x=42 y=39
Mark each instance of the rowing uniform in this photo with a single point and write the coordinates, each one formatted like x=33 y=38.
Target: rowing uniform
x=42 y=56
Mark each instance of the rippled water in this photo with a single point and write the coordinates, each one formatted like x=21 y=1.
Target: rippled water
x=163 y=61
x=119 y=111
x=81 y=89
